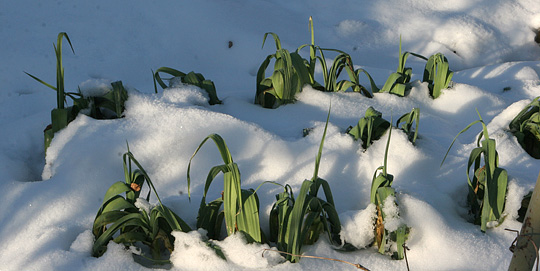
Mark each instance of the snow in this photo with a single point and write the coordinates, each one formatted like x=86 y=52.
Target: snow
x=49 y=203
x=357 y=226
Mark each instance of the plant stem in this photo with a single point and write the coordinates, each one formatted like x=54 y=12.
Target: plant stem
x=357 y=265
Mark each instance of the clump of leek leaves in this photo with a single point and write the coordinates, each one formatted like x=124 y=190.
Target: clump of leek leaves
x=526 y=128
x=60 y=116
x=290 y=74
x=110 y=105
x=488 y=183
x=369 y=128
x=125 y=220
x=191 y=78
x=240 y=207
x=437 y=74
x=399 y=82
x=381 y=189
x=407 y=121
x=298 y=221
x=330 y=75
x=372 y=126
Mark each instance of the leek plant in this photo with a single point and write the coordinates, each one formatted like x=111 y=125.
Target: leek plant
x=369 y=128
x=330 y=75
x=487 y=183
x=526 y=128
x=298 y=221
x=130 y=220
x=408 y=120
x=381 y=190
x=437 y=74
x=60 y=116
x=290 y=74
x=110 y=105
x=191 y=78
x=398 y=82
x=344 y=61
x=240 y=207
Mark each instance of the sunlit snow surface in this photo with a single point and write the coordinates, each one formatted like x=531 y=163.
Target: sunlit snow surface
x=49 y=204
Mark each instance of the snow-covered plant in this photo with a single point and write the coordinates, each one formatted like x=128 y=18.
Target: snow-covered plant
x=109 y=105
x=190 y=78
x=407 y=126
x=369 y=128
x=240 y=207
x=390 y=232
x=526 y=127
x=438 y=74
x=61 y=116
x=290 y=74
x=131 y=220
x=298 y=221
x=398 y=82
x=488 y=183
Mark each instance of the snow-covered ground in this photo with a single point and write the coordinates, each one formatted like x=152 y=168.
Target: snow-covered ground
x=48 y=204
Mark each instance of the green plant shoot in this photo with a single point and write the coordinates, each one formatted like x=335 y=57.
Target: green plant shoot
x=438 y=74
x=330 y=75
x=407 y=126
x=381 y=189
x=298 y=221
x=398 y=82
x=290 y=74
x=488 y=183
x=241 y=207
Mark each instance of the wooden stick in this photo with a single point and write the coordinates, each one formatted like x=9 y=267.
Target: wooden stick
x=526 y=251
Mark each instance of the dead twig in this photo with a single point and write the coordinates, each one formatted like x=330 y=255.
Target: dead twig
x=357 y=265
x=405 y=248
